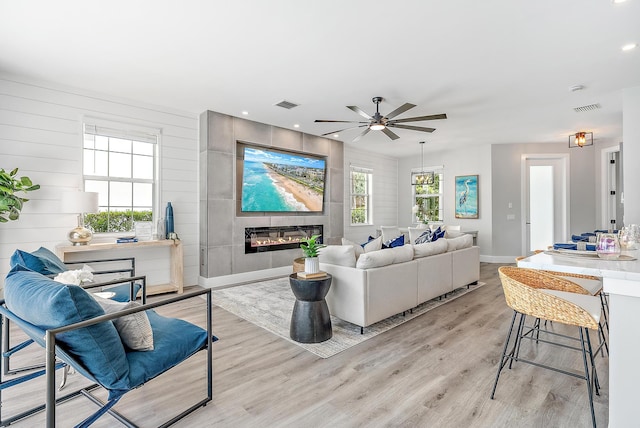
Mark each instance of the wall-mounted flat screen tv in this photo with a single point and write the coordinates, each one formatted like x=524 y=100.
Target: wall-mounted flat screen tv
x=281 y=181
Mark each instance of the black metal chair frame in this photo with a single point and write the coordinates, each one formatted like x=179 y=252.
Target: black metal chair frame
x=532 y=332
x=56 y=358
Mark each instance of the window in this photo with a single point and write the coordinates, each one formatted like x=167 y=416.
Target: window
x=360 y=195
x=427 y=198
x=121 y=166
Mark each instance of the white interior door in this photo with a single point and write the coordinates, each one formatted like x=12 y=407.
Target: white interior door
x=544 y=201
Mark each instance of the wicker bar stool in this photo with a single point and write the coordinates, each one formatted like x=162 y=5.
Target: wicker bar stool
x=548 y=297
x=591 y=284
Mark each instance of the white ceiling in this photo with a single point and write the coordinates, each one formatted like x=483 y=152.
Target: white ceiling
x=500 y=69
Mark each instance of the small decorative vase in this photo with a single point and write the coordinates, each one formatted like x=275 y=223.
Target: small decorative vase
x=311 y=265
x=168 y=221
x=161 y=233
x=608 y=246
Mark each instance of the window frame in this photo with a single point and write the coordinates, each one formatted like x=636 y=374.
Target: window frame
x=439 y=173
x=368 y=195
x=133 y=133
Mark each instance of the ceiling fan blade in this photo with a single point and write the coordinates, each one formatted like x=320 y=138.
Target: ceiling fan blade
x=400 y=110
x=345 y=129
x=338 y=121
x=390 y=134
x=360 y=112
x=418 y=118
x=413 y=128
x=361 y=135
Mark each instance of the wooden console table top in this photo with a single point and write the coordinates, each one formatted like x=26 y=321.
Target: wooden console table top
x=175 y=246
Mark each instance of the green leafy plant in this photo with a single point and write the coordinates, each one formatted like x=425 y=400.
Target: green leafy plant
x=115 y=221
x=10 y=203
x=310 y=246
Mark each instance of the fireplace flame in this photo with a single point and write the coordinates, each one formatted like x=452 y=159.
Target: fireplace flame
x=255 y=242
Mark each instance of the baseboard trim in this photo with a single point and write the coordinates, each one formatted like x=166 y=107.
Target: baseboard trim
x=498 y=259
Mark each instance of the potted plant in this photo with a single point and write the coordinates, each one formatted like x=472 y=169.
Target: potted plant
x=310 y=247
x=10 y=203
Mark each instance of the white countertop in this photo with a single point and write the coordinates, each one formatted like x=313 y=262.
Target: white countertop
x=607 y=269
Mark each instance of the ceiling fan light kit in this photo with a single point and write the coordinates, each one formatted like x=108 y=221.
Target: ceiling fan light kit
x=378 y=122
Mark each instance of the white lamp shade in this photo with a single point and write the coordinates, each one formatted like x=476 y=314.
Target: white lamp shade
x=79 y=202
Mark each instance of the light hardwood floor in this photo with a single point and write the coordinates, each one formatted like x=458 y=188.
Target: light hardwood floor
x=434 y=371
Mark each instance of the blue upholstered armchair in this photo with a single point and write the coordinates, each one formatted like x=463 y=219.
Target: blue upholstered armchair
x=125 y=288
x=75 y=330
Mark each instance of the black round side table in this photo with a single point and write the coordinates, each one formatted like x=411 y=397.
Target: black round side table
x=310 y=320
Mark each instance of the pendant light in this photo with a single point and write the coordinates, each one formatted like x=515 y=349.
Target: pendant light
x=581 y=139
x=423 y=177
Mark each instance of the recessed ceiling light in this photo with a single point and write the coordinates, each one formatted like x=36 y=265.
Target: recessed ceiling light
x=618 y=1
x=335 y=135
x=629 y=47
x=245 y=112
x=296 y=126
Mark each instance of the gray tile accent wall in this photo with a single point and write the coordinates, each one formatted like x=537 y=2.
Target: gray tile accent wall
x=221 y=231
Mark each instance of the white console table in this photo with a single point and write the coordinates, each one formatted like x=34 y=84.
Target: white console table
x=621 y=280
x=176 y=253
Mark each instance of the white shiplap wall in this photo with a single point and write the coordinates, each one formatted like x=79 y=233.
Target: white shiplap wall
x=385 y=192
x=41 y=133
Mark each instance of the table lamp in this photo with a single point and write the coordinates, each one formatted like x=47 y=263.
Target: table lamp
x=80 y=203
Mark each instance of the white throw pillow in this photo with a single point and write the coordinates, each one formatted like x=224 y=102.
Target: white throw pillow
x=430 y=248
x=402 y=254
x=415 y=232
x=374 y=259
x=389 y=233
x=135 y=329
x=356 y=247
x=452 y=228
x=373 y=245
x=452 y=233
x=341 y=255
x=459 y=243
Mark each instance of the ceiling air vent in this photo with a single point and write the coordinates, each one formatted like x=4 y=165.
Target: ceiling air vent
x=287 y=104
x=586 y=108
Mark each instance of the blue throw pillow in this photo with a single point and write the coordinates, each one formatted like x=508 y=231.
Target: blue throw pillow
x=425 y=237
x=437 y=234
x=48 y=304
x=371 y=238
x=395 y=242
x=42 y=261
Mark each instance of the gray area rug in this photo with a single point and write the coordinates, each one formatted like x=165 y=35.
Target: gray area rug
x=268 y=304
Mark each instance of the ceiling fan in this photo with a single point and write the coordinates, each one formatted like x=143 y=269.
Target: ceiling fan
x=378 y=122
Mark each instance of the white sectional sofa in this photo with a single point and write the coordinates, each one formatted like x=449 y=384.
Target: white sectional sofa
x=386 y=282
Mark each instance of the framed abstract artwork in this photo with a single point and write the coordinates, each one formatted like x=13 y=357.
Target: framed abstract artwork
x=466 y=196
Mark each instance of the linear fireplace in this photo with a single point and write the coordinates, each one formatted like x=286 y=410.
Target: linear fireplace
x=259 y=239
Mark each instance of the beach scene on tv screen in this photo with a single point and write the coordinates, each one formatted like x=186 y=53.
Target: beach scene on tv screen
x=276 y=181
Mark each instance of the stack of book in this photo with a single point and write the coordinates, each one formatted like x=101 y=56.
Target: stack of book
x=127 y=239
x=305 y=275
